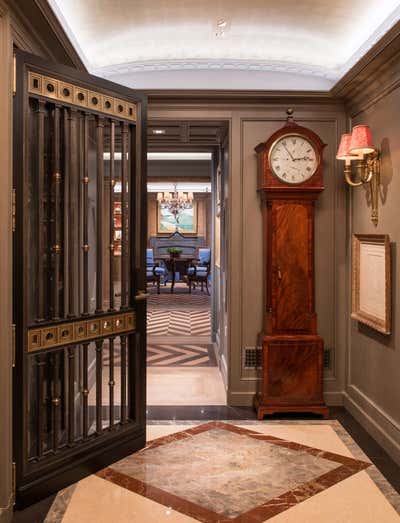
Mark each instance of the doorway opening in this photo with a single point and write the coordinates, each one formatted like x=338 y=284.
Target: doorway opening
x=184 y=266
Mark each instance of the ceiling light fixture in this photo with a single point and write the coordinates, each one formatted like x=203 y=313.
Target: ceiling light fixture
x=222 y=27
x=158 y=131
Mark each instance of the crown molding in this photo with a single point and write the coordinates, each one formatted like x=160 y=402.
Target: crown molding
x=215 y=65
x=60 y=32
x=36 y=29
x=237 y=97
x=373 y=76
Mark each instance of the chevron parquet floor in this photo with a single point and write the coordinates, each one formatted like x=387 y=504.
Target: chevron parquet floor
x=178 y=314
x=179 y=328
x=178 y=322
x=187 y=355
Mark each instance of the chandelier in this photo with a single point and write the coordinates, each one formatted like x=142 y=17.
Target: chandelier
x=175 y=201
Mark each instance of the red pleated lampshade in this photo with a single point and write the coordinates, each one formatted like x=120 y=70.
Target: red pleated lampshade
x=361 y=140
x=344 y=147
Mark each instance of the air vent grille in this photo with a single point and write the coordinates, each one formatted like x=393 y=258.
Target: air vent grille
x=252 y=358
x=328 y=357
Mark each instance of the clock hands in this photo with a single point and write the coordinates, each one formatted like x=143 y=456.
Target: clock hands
x=287 y=150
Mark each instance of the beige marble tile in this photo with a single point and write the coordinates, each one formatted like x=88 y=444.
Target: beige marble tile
x=354 y=500
x=172 y=386
x=156 y=431
x=185 y=386
x=98 y=501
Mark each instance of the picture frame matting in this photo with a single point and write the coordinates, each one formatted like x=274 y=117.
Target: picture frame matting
x=371 y=281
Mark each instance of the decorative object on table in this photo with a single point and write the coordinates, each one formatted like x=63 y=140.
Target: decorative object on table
x=290 y=181
x=357 y=148
x=177 y=211
x=154 y=271
x=174 y=252
x=371 y=281
x=199 y=270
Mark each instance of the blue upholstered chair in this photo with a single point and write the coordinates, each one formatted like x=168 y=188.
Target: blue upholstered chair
x=199 y=270
x=154 y=272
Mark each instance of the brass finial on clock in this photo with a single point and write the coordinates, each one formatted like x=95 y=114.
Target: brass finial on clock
x=289 y=112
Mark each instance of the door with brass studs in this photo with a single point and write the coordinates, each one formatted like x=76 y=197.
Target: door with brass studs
x=79 y=304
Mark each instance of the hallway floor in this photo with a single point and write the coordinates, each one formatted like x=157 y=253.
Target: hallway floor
x=181 y=363
x=333 y=437
x=278 y=471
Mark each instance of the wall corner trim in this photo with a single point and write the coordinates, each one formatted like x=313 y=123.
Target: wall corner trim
x=384 y=429
x=6 y=513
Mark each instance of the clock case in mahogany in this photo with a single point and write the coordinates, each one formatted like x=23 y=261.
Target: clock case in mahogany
x=292 y=350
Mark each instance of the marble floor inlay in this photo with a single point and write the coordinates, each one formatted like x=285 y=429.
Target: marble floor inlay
x=219 y=472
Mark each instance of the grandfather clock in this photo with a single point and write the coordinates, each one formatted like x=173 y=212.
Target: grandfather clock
x=289 y=183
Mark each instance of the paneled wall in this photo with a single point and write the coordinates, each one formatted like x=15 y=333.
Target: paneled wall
x=248 y=126
x=373 y=384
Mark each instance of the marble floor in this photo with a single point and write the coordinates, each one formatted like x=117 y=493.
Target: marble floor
x=185 y=386
x=236 y=472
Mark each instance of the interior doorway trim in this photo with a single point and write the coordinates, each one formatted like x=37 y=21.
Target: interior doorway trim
x=6 y=491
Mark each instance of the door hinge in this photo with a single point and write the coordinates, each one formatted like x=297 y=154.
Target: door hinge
x=14 y=481
x=14 y=74
x=13 y=210
x=13 y=344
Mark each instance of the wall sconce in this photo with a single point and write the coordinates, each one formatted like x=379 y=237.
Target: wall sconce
x=357 y=147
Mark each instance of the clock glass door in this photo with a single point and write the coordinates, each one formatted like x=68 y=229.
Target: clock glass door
x=79 y=387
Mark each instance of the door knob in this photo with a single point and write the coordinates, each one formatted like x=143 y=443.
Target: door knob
x=142 y=295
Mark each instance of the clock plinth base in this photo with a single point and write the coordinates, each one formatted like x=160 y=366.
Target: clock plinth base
x=292 y=375
x=269 y=409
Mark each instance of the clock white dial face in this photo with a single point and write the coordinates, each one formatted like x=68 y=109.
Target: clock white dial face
x=293 y=159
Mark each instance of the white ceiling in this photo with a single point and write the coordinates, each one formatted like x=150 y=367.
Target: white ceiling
x=285 y=44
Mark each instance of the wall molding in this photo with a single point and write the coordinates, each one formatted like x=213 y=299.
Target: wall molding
x=6 y=513
x=5 y=263
x=245 y=398
x=36 y=29
x=379 y=424
x=215 y=65
x=221 y=97
x=373 y=76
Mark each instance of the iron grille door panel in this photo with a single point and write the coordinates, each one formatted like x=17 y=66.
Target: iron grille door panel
x=79 y=175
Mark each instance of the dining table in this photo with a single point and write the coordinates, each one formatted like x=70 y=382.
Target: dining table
x=176 y=264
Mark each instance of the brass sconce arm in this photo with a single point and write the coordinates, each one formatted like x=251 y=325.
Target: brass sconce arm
x=368 y=171
x=348 y=176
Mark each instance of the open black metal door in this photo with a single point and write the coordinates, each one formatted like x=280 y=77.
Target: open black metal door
x=79 y=275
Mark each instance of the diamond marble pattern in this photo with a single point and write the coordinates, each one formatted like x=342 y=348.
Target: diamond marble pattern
x=218 y=472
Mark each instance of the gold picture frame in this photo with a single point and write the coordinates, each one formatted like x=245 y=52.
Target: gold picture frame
x=165 y=226
x=371 y=281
